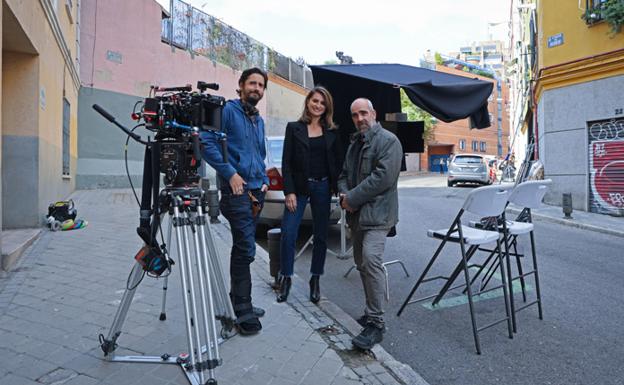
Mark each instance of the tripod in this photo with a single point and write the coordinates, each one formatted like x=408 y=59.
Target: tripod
x=201 y=274
x=176 y=153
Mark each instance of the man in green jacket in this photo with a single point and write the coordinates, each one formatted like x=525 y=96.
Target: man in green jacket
x=368 y=191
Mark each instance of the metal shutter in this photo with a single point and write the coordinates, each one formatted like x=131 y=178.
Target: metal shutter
x=606 y=166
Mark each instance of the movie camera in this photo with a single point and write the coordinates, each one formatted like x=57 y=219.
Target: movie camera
x=176 y=115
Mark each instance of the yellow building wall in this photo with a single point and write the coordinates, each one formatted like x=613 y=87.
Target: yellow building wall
x=54 y=82
x=587 y=53
x=580 y=39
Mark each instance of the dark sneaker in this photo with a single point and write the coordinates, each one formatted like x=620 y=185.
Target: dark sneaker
x=258 y=311
x=248 y=324
x=363 y=320
x=370 y=336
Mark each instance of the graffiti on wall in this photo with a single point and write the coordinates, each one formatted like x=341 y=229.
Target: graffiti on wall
x=606 y=166
x=193 y=30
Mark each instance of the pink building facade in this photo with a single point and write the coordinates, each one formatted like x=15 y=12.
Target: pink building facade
x=121 y=56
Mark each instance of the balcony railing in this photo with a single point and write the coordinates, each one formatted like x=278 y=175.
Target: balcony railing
x=190 y=29
x=593 y=11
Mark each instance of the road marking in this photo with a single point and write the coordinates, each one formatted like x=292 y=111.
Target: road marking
x=463 y=299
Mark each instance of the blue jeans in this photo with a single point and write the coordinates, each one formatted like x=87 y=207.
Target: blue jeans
x=320 y=200
x=237 y=210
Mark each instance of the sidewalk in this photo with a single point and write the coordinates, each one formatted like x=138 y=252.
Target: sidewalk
x=601 y=223
x=66 y=288
x=581 y=219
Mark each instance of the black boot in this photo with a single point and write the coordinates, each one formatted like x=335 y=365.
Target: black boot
x=247 y=321
x=315 y=289
x=277 y=283
x=284 y=289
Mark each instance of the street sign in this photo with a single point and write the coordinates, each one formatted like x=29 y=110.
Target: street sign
x=555 y=40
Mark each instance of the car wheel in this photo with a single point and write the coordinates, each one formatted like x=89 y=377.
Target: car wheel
x=449 y=183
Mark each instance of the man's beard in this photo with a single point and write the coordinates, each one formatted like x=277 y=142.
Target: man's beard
x=364 y=126
x=252 y=98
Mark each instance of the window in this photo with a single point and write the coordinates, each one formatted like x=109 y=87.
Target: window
x=483 y=146
x=593 y=11
x=65 y=137
x=475 y=145
x=462 y=144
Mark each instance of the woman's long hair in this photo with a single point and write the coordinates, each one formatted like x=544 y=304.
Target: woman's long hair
x=328 y=116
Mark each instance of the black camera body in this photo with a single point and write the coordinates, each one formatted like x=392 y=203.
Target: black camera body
x=176 y=115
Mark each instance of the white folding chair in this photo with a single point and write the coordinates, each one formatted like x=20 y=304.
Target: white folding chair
x=528 y=195
x=485 y=202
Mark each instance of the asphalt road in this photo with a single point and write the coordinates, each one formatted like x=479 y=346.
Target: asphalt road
x=580 y=340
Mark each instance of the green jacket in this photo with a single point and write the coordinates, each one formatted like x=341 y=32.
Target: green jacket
x=370 y=179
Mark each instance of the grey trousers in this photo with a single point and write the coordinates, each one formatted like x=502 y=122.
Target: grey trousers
x=368 y=250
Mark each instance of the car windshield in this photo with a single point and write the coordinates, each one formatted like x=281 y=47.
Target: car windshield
x=275 y=147
x=468 y=160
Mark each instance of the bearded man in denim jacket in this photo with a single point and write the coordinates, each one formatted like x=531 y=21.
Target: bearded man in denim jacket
x=241 y=179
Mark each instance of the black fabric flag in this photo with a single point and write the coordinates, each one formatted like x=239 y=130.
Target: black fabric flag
x=445 y=96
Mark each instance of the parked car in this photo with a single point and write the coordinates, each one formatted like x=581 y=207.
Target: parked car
x=271 y=215
x=468 y=168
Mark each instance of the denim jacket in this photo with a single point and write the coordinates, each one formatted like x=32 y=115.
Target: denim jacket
x=245 y=147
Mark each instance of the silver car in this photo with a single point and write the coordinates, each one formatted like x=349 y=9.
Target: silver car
x=273 y=210
x=468 y=168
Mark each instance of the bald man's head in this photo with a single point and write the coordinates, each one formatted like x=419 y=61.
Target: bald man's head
x=363 y=114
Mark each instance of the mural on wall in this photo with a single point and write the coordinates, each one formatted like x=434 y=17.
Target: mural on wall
x=193 y=30
x=606 y=166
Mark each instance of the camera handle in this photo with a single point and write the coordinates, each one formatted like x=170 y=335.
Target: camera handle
x=221 y=137
x=112 y=119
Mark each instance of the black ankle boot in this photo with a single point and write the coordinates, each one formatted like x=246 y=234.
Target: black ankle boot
x=277 y=283
x=315 y=289
x=284 y=289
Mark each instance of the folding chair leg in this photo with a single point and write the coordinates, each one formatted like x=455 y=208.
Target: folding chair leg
x=509 y=282
x=464 y=262
x=535 y=272
x=349 y=271
x=454 y=275
x=490 y=273
x=385 y=270
x=505 y=293
x=483 y=266
x=519 y=264
x=422 y=276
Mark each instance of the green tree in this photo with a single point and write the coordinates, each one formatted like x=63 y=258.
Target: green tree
x=330 y=61
x=438 y=58
x=417 y=114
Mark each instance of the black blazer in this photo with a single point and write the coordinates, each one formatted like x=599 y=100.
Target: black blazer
x=296 y=155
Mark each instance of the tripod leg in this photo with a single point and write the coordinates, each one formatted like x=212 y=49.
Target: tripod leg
x=226 y=311
x=177 y=223
x=109 y=344
x=206 y=294
x=191 y=291
x=163 y=314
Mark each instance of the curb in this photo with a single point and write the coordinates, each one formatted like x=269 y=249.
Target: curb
x=399 y=370
x=9 y=260
x=570 y=222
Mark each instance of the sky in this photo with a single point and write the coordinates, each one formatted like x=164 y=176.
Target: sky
x=370 y=31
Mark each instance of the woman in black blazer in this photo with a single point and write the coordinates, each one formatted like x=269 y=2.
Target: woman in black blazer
x=311 y=163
